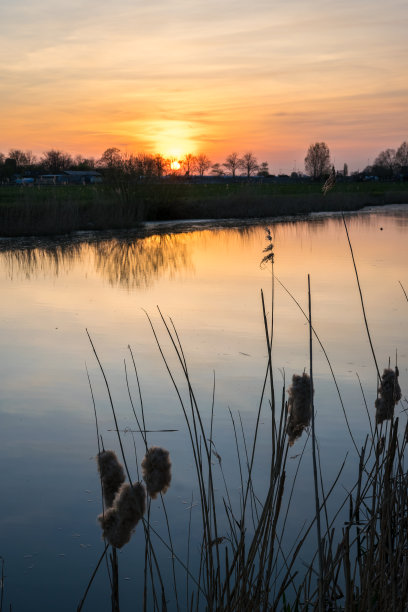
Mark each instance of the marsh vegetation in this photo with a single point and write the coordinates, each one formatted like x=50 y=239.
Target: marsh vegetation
x=53 y=210
x=247 y=538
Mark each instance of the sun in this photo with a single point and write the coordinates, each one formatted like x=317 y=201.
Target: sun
x=175 y=165
x=172 y=138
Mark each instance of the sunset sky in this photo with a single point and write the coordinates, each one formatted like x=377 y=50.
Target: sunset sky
x=213 y=77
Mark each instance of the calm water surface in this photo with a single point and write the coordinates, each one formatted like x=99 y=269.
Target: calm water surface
x=208 y=279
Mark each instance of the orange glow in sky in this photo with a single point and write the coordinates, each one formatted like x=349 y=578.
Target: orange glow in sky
x=200 y=77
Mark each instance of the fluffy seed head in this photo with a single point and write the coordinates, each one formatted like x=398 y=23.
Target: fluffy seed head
x=119 y=521
x=156 y=467
x=299 y=408
x=389 y=394
x=112 y=475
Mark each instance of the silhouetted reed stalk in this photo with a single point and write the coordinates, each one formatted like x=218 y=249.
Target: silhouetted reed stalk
x=244 y=563
x=361 y=298
x=405 y=293
x=316 y=486
x=125 y=503
x=327 y=359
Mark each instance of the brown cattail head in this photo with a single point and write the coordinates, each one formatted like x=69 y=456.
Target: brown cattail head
x=128 y=508
x=389 y=394
x=112 y=475
x=156 y=467
x=299 y=406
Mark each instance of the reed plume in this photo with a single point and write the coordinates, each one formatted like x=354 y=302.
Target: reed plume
x=112 y=475
x=389 y=394
x=119 y=521
x=299 y=409
x=330 y=182
x=156 y=467
x=269 y=257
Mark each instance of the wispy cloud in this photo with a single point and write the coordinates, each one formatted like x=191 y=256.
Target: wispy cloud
x=232 y=75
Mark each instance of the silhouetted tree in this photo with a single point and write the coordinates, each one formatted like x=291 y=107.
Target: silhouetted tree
x=401 y=157
x=23 y=159
x=9 y=168
x=249 y=163
x=2 y=158
x=345 y=170
x=189 y=164
x=233 y=163
x=203 y=163
x=217 y=169
x=161 y=164
x=263 y=169
x=55 y=161
x=83 y=163
x=111 y=158
x=385 y=164
x=317 y=160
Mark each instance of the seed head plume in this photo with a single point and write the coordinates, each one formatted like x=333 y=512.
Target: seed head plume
x=330 y=182
x=119 y=521
x=156 y=467
x=269 y=257
x=111 y=473
x=389 y=394
x=299 y=408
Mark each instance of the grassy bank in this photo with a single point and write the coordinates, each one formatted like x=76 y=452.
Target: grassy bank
x=48 y=210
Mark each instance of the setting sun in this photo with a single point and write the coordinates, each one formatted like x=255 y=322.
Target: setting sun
x=175 y=165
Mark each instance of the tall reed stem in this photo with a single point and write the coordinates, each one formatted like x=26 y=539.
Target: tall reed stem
x=316 y=487
x=362 y=300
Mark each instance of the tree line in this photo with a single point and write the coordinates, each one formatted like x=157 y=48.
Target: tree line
x=113 y=162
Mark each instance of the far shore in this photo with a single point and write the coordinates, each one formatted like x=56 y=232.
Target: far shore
x=61 y=210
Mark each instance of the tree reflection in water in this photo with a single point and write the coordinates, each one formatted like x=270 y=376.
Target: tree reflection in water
x=125 y=261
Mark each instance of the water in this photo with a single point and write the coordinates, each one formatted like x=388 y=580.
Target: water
x=208 y=279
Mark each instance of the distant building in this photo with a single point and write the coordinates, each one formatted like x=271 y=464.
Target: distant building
x=83 y=177
x=53 y=179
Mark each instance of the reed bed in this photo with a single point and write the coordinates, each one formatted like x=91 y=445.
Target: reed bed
x=124 y=204
x=356 y=555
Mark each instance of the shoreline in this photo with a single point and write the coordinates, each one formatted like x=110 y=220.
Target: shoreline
x=154 y=228
x=59 y=212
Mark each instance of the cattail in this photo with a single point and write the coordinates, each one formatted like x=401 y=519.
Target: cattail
x=112 y=475
x=299 y=408
x=389 y=394
x=119 y=521
x=156 y=467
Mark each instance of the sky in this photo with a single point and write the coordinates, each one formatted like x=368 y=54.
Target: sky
x=193 y=76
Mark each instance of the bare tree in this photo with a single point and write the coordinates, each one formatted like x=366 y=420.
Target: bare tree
x=55 y=161
x=2 y=158
x=189 y=164
x=317 y=160
x=217 y=169
x=161 y=164
x=233 y=163
x=401 y=157
x=84 y=163
x=111 y=158
x=345 y=170
x=23 y=159
x=203 y=163
x=263 y=169
x=249 y=164
x=385 y=163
